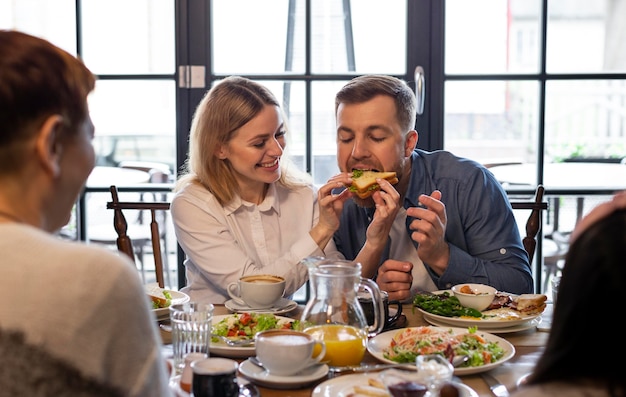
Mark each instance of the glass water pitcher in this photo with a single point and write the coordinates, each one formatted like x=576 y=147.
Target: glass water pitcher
x=334 y=314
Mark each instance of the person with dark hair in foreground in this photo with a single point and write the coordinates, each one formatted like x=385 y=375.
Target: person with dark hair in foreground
x=75 y=319
x=582 y=360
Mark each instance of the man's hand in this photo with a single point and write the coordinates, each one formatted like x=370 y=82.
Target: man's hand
x=429 y=231
x=395 y=277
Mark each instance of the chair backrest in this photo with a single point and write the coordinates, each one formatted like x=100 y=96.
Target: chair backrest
x=124 y=243
x=533 y=224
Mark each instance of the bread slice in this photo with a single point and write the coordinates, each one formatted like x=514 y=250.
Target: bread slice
x=366 y=390
x=530 y=303
x=157 y=295
x=364 y=182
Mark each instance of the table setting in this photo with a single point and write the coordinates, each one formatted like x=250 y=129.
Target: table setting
x=357 y=355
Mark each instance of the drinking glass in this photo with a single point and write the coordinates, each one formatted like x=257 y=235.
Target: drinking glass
x=191 y=330
x=433 y=370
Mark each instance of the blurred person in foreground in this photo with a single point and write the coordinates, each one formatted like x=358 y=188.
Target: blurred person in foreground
x=243 y=208
x=76 y=320
x=579 y=360
x=447 y=221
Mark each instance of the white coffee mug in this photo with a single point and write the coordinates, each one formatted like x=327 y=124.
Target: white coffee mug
x=257 y=291
x=286 y=352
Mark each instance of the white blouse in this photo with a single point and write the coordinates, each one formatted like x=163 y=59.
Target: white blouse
x=224 y=243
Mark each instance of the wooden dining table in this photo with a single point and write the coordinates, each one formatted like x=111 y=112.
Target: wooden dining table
x=529 y=345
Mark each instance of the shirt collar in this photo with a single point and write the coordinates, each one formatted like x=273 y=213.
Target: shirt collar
x=270 y=202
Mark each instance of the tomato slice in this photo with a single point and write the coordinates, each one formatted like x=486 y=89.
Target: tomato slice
x=245 y=318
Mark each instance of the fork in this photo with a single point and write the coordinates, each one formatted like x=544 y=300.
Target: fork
x=234 y=342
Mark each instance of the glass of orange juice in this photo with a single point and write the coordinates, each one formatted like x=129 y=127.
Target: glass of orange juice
x=345 y=344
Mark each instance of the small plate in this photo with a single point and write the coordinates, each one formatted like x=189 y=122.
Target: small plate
x=263 y=378
x=343 y=386
x=497 y=330
x=380 y=342
x=282 y=306
x=177 y=297
x=246 y=389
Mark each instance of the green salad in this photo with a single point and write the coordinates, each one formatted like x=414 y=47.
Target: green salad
x=247 y=325
x=444 y=304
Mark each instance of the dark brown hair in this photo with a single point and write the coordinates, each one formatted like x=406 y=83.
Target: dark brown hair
x=37 y=80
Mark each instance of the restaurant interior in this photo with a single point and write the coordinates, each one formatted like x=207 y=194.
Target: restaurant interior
x=533 y=90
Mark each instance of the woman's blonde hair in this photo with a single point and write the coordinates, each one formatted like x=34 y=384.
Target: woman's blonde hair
x=225 y=108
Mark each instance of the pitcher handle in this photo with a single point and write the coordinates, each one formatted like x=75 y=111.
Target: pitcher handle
x=379 y=309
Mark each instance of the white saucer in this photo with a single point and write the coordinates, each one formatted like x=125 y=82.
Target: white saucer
x=282 y=306
x=263 y=378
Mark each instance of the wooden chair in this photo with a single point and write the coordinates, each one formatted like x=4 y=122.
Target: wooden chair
x=124 y=242
x=533 y=224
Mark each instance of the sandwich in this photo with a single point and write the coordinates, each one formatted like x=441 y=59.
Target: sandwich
x=530 y=303
x=159 y=297
x=364 y=182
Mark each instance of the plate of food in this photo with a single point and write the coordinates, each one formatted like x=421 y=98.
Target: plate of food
x=161 y=299
x=486 y=351
x=506 y=310
x=354 y=385
x=239 y=326
x=530 y=324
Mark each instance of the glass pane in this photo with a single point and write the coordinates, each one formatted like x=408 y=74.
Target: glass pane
x=586 y=36
x=53 y=20
x=585 y=120
x=492 y=36
x=259 y=38
x=129 y=37
x=345 y=39
x=271 y=40
x=135 y=120
x=291 y=95
x=324 y=135
x=492 y=121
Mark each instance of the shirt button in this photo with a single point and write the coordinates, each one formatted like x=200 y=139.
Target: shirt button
x=503 y=251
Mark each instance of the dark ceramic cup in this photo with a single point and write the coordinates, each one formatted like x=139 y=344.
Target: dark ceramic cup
x=365 y=300
x=215 y=377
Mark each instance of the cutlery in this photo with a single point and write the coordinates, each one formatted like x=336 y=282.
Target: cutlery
x=368 y=368
x=234 y=342
x=256 y=362
x=457 y=361
x=497 y=388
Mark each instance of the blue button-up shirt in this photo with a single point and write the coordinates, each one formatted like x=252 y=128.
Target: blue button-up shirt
x=484 y=239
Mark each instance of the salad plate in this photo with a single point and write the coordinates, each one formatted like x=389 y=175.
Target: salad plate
x=378 y=344
x=282 y=306
x=222 y=349
x=246 y=389
x=177 y=297
x=263 y=378
x=343 y=386
x=529 y=324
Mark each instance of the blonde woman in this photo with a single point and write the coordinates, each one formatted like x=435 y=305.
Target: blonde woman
x=242 y=207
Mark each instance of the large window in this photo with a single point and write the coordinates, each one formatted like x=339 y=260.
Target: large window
x=536 y=83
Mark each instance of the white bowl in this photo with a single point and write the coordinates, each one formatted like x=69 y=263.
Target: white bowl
x=479 y=296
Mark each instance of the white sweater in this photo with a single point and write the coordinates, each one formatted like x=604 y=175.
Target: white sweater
x=75 y=321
